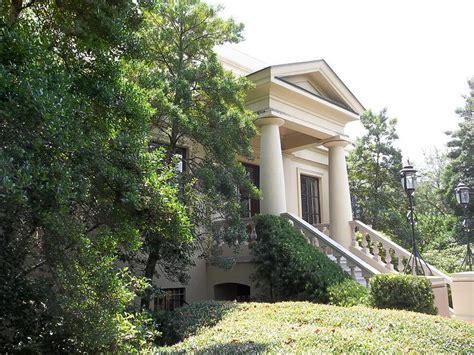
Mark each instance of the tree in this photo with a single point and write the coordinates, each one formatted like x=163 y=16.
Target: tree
x=461 y=152
x=436 y=222
x=197 y=103
x=79 y=186
x=374 y=165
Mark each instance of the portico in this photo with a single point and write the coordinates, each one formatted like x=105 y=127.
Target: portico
x=302 y=110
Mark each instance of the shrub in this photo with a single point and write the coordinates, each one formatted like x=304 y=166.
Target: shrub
x=288 y=266
x=348 y=293
x=398 y=291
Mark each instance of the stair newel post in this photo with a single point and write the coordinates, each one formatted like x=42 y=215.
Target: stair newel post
x=353 y=235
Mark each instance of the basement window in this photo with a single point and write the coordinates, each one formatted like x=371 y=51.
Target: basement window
x=170 y=299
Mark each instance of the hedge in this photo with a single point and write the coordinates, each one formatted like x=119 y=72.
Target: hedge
x=348 y=293
x=399 y=291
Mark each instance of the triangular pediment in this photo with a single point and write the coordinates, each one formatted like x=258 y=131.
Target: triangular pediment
x=317 y=78
x=305 y=83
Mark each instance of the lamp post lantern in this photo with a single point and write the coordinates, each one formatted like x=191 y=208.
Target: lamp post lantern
x=415 y=263
x=462 y=196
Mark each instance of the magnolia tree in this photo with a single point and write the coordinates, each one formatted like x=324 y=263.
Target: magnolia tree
x=79 y=185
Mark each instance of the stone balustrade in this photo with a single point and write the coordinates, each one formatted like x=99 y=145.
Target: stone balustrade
x=382 y=253
x=349 y=262
x=220 y=228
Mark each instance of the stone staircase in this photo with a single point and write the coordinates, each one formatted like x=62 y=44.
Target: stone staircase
x=370 y=252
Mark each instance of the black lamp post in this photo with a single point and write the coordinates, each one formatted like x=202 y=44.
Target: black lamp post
x=462 y=196
x=415 y=262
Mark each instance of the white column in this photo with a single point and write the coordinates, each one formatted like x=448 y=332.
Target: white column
x=340 y=209
x=272 y=180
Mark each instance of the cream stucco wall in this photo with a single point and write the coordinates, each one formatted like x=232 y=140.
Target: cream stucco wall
x=196 y=289
x=203 y=276
x=240 y=273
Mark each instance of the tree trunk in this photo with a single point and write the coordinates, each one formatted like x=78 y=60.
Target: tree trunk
x=149 y=273
x=15 y=9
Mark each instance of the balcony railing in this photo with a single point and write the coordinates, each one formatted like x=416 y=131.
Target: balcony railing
x=220 y=226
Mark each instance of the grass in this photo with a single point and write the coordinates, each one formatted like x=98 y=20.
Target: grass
x=303 y=327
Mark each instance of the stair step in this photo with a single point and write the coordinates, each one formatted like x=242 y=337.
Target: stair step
x=343 y=265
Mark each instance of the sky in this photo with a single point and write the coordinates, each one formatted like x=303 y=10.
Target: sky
x=413 y=57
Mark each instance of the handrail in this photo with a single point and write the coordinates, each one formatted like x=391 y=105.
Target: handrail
x=352 y=260
x=387 y=244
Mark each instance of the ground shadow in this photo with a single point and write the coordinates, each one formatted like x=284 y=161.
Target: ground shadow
x=249 y=347
x=184 y=322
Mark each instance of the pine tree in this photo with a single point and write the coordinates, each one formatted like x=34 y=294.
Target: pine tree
x=374 y=172
x=461 y=151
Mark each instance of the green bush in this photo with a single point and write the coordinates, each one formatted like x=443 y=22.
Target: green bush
x=398 y=291
x=348 y=293
x=288 y=266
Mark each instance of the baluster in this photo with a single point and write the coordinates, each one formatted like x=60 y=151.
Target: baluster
x=316 y=242
x=328 y=250
x=401 y=267
x=338 y=258
x=253 y=234
x=388 y=260
x=376 y=256
x=365 y=244
x=353 y=237
x=353 y=274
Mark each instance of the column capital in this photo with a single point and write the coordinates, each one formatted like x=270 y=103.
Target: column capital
x=264 y=121
x=336 y=141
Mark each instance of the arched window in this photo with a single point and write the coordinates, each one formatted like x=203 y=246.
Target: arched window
x=231 y=291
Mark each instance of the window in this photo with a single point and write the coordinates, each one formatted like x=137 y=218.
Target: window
x=170 y=299
x=250 y=206
x=310 y=205
x=232 y=292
